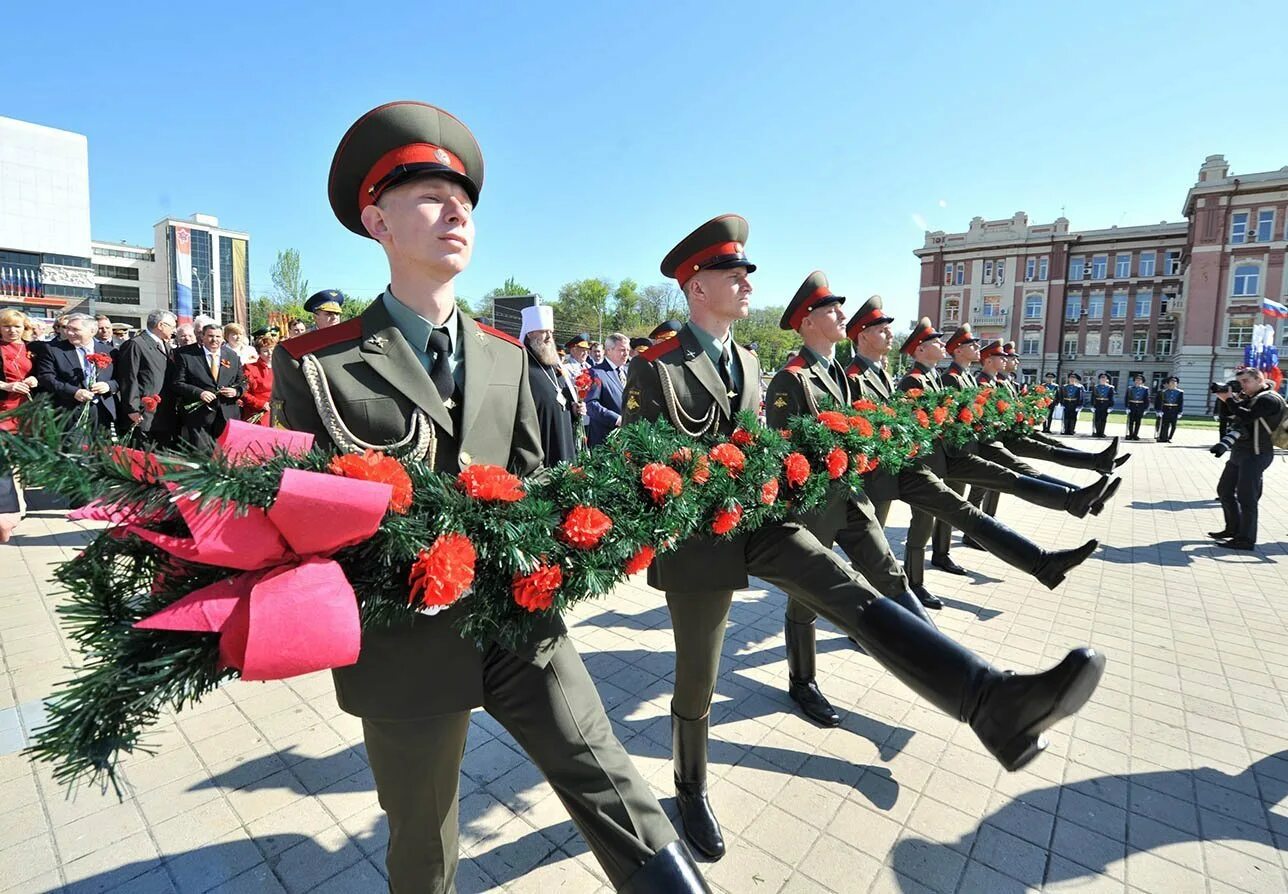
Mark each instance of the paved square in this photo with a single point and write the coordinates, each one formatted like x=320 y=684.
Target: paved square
x=1174 y=779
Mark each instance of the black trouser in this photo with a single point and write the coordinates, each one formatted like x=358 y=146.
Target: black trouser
x=1167 y=424
x=1070 y=418
x=1046 y=426
x=1099 y=416
x=1239 y=491
x=1134 y=418
x=1031 y=448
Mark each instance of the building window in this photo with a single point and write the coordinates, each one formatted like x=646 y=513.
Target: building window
x=1043 y=268
x=1030 y=269
x=988 y=272
x=1122 y=266
x=1033 y=307
x=1000 y=270
x=1163 y=344
x=1146 y=264
x=1265 y=225
x=1096 y=305
x=108 y=294
x=113 y=272
x=1093 y=342
x=1173 y=261
x=1099 y=266
x=1139 y=343
x=948 y=274
x=1239 y=332
x=1115 y=344
x=1073 y=307
x=1076 y=267
x=1144 y=301
x=1070 y=346
x=1032 y=343
x=1118 y=305
x=952 y=310
x=992 y=308
x=1247 y=280
x=961 y=274
x=1283 y=337
x=1239 y=228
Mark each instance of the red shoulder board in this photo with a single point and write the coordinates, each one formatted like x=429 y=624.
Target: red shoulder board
x=504 y=336
x=661 y=349
x=796 y=363
x=297 y=347
x=916 y=372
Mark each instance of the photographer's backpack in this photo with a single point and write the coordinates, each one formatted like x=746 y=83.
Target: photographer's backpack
x=1279 y=430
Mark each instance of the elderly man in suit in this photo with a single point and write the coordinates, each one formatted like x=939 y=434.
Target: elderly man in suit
x=143 y=366
x=604 y=402
x=79 y=372
x=208 y=381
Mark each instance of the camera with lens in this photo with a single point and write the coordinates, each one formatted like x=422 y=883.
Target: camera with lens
x=1223 y=387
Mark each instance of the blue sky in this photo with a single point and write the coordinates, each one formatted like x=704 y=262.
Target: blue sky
x=840 y=130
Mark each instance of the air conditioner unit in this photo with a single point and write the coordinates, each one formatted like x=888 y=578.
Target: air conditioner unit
x=1138 y=356
x=1070 y=356
x=1028 y=279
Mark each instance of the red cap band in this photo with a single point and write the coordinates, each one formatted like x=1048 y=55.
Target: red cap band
x=917 y=340
x=991 y=351
x=798 y=316
x=412 y=153
x=684 y=272
x=864 y=322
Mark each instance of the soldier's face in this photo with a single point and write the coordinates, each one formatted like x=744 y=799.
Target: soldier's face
x=427 y=224
x=930 y=352
x=874 y=342
x=725 y=294
x=325 y=318
x=994 y=365
x=827 y=322
x=966 y=354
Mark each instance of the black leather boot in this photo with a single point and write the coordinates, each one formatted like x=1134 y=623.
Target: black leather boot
x=1007 y=711
x=914 y=567
x=1081 y=500
x=1099 y=506
x=689 y=753
x=670 y=871
x=802 y=676
x=1105 y=458
x=913 y=604
x=1056 y=565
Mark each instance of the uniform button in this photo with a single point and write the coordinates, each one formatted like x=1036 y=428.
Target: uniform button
x=465 y=458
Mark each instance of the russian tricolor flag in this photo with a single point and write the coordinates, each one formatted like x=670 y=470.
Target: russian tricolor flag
x=1274 y=309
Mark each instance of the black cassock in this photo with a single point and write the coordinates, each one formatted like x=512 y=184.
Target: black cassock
x=554 y=419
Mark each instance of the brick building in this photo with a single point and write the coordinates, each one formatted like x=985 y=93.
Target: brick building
x=1156 y=299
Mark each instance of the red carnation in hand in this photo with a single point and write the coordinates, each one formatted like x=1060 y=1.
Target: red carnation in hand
x=795 y=469
x=837 y=422
x=372 y=465
x=642 y=559
x=769 y=492
x=742 y=437
x=701 y=470
x=584 y=526
x=730 y=457
x=885 y=433
x=443 y=572
x=940 y=415
x=863 y=404
x=837 y=462
x=584 y=382
x=536 y=591
x=100 y=361
x=490 y=484
x=965 y=415
x=661 y=481
x=922 y=419
x=1002 y=406
x=727 y=519
x=913 y=392
x=862 y=426
x=150 y=402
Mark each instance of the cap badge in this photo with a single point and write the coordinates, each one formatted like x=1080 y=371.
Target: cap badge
x=376 y=341
x=442 y=157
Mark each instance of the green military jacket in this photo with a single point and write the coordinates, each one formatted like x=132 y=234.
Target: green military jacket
x=796 y=390
x=359 y=384
x=957 y=377
x=676 y=381
x=872 y=382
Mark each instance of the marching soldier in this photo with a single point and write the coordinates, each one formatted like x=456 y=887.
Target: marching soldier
x=326 y=307
x=1053 y=388
x=810 y=379
x=963 y=347
x=416 y=377
x=1072 y=397
x=1137 y=404
x=1171 y=404
x=698 y=381
x=1102 y=401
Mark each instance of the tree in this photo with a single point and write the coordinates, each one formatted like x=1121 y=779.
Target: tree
x=661 y=302
x=760 y=330
x=289 y=284
x=626 y=308
x=511 y=286
x=897 y=363
x=582 y=305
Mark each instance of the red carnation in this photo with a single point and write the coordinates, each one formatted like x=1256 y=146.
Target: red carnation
x=862 y=426
x=863 y=404
x=837 y=462
x=372 y=465
x=100 y=361
x=795 y=469
x=730 y=457
x=584 y=526
x=727 y=519
x=837 y=422
x=584 y=382
x=922 y=418
x=889 y=411
x=1002 y=406
x=862 y=464
x=940 y=415
x=701 y=470
x=913 y=392
x=490 y=484
x=443 y=572
x=786 y=433
x=885 y=433
x=536 y=591
x=1019 y=417
x=661 y=482
x=642 y=559
x=913 y=450
x=742 y=437
x=150 y=402
x=769 y=492
x=965 y=415
x=682 y=456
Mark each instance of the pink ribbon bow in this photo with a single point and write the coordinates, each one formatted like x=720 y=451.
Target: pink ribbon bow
x=292 y=610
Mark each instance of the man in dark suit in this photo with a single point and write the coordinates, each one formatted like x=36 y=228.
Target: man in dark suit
x=143 y=365
x=604 y=402
x=79 y=373
x=207 y=382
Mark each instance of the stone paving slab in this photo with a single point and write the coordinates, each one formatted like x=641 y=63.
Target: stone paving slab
x=1174 y=779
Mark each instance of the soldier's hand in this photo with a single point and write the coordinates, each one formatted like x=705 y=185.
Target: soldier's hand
x=1219 y=449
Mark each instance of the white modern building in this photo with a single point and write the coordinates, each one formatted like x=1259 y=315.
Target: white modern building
x=129 y=282
x=204 y=268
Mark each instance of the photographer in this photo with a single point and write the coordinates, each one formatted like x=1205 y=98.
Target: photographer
x=1255 y=411
x=1224 y=417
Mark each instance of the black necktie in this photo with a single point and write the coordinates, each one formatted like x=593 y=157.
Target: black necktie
x=838 y=375
x=726 y=371
x=439 y=350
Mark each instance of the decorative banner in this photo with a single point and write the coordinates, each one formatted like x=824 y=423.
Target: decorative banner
x=183 y=274
x=239 y=281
